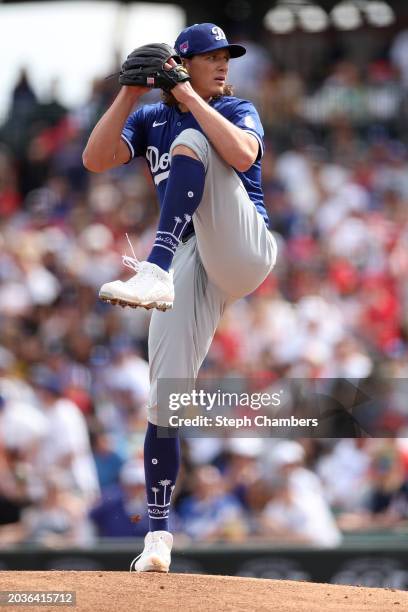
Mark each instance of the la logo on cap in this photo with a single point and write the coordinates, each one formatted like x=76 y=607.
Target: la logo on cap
x=218 y=33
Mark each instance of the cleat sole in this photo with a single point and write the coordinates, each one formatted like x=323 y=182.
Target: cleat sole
x=162 y=306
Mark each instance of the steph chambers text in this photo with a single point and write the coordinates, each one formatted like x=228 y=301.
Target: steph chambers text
x=260 y=420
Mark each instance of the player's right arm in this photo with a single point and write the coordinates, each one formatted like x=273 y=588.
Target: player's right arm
x=105 y=148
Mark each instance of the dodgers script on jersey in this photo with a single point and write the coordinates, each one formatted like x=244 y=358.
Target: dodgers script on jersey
x=151 y=129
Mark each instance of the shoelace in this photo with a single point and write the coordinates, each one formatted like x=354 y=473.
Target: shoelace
x=131 y=262
x=134 y=562
x=134 y=264
x=148 y=549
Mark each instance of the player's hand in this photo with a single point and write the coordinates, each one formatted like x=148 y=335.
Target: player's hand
x=183 y=92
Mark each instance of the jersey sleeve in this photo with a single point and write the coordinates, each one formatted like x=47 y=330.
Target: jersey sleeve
x=134 y=133
x=245 y=116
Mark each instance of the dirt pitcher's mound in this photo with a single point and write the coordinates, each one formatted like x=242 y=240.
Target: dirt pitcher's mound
x=120 y=592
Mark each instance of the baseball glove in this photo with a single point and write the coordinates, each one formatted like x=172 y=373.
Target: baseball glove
x=144 y=67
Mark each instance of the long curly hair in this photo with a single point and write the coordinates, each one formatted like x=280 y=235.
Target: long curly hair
x=170 y=100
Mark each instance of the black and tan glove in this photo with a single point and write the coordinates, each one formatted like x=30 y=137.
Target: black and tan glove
x=144 y=67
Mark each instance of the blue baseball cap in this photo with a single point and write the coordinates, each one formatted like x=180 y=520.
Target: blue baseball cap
x=202 y=38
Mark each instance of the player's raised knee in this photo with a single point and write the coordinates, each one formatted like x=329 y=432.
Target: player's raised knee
x=184 y=150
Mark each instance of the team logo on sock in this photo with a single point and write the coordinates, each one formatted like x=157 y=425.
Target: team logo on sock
x=157 y=510
x=171 y=240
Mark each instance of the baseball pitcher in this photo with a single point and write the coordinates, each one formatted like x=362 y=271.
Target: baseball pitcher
x=204 y=148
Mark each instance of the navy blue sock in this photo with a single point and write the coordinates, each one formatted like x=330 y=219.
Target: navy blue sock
x=184 y=190
x=161 y=462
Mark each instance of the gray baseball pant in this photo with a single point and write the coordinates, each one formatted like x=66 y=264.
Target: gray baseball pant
x=230 y=255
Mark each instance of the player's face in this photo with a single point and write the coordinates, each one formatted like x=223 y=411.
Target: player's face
x=208 y=72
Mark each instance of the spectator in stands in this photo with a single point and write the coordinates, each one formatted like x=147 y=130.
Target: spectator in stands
x=386 y=499
x=297 y=509
x=210 y=513
x=120 y=513
x=67 y=445
x=343 y=471
x=57 y=520
x=108 y=462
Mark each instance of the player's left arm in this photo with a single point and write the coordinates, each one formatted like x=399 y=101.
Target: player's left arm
x=237 y=147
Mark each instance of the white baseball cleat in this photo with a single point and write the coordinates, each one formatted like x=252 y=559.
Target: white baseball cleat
x=156 y=556
x=150 y=287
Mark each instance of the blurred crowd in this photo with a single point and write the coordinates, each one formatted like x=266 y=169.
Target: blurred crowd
x=73 y=371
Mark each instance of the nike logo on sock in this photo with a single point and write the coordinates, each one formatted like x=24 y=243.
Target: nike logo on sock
x=155 y=123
